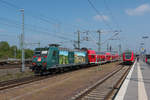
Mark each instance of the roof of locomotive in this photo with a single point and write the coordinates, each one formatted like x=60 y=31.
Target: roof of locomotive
x=40 y=49
x=55 y=45
x=60 y=48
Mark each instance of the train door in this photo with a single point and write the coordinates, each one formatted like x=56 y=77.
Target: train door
x=52 y=58
x=71 y=57
x=55 y=57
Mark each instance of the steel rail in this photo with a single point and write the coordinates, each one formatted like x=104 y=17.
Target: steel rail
x=17 y=82
x=88 y=90
x=117 y=86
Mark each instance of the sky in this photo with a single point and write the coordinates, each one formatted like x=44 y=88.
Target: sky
x=57 y=21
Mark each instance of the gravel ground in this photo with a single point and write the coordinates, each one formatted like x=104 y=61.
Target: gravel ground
x=14 y=73
x=101 y=91
x=60 y=87
x=12 y=69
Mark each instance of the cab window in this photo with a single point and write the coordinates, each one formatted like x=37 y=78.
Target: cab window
x=44 y=53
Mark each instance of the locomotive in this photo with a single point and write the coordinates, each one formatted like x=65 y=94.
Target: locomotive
x=56 y=58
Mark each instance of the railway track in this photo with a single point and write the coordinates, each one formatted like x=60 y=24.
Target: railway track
x=106 y=88
x=14 y=61
x=10 y=66
x=17 y=82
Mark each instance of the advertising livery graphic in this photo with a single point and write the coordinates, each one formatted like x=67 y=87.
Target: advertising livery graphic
x=79 y=57
x=63 y=57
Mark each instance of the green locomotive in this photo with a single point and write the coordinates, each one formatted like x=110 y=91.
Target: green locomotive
x=56 y=58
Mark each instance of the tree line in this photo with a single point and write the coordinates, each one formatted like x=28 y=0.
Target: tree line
x=7 y=51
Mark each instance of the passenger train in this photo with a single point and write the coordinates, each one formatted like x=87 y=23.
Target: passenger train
x=55 y=58
x=128 y=57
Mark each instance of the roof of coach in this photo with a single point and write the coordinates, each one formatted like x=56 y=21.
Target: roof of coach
x=100 y=53
x=107 y=53
x=128 y=51
x=117 y=54
x=91 y=51
x=73 y=50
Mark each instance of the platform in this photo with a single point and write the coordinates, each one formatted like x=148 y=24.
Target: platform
x=137 y=84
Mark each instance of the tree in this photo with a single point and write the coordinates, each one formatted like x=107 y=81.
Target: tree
x=4 y=46
x=28 y=53
x=4 y=49
x=12 y=52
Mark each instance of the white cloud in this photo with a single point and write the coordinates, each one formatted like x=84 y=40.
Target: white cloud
x=101 y=18
x=140 y=10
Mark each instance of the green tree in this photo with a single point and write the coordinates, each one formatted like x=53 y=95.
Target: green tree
x=4 y=46
x=4 y=49
x=28 y=53
x=19 y=54
x=11 y=52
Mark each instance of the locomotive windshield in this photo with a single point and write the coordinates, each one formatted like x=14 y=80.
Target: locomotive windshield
x=37 y=52
x=128 y=55
x=44 y=53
